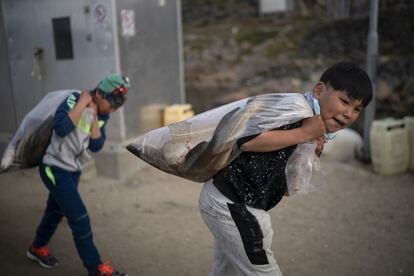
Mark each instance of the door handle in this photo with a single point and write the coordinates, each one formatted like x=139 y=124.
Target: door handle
x=37 y=63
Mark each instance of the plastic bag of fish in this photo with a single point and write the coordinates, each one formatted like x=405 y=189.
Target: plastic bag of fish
x=26 y=148
x=199 y=147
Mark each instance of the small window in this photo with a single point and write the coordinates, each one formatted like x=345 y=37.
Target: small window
x=63 y=38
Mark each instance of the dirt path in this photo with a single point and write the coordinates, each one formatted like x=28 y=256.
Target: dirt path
x=357 y=223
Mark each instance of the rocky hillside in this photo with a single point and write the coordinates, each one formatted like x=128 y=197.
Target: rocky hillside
x=230 y=52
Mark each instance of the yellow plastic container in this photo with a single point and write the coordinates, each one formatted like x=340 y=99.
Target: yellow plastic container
x=177 y=112
x=409 y=124
x=389 y=146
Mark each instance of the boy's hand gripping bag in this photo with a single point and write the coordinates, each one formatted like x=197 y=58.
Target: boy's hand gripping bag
x=28 y=144
x=199 y=147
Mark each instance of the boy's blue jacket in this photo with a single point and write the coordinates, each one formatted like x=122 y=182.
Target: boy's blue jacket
x=69 y=144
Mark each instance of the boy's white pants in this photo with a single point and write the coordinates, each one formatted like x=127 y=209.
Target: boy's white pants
x=242 y=235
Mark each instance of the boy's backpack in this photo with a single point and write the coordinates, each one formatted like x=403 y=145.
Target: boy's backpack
x=199 y=147
x=29 y=143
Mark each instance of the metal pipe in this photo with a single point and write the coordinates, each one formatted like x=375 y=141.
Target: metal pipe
x=180 y=52
x=371 y=66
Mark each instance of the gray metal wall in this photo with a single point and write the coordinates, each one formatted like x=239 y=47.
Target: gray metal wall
x=28 y=25
x=8 y=113
x=152 y=58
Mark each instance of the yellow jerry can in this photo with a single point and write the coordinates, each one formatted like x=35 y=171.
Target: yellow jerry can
x=389 y=146
x=177 y=112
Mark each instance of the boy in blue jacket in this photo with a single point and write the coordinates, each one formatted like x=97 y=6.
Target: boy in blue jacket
x=78 y=126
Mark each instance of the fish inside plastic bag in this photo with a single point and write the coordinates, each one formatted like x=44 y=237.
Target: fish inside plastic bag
x=27 y=146
x=199 y=147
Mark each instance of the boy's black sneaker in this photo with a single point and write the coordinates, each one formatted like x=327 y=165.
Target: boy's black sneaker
x=42 y=256
x=106 y=270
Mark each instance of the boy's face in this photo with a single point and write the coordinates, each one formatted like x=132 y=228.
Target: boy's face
x=102 y=105
x=338 y=110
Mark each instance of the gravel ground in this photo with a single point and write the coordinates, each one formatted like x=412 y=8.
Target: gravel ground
x=356 y=223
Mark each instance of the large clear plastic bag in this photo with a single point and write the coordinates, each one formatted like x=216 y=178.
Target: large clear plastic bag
x=27 y=146
x=199 y=147
x=303 y=170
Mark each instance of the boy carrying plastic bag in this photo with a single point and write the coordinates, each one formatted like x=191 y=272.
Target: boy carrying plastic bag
x=251 y=153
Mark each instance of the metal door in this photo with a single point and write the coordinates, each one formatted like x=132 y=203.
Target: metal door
x=57 y=45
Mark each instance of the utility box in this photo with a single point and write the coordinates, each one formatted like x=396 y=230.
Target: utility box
x=389 y=146
x=52 y=45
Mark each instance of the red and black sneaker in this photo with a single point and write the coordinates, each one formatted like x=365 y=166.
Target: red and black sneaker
x=42 y=256
x=106 y=270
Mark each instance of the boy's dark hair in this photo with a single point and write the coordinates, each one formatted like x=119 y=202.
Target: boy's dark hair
x=116 y=101
x=348 y=77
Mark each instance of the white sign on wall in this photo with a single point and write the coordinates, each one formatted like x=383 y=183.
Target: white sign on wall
x=128 y=22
